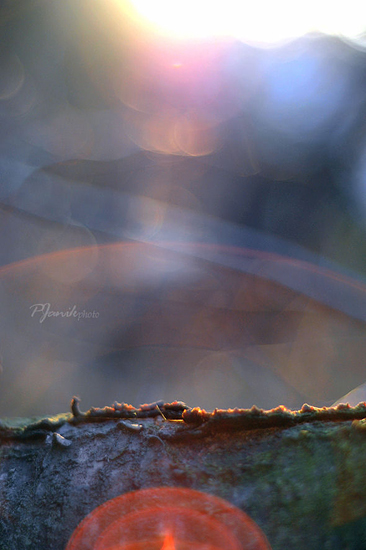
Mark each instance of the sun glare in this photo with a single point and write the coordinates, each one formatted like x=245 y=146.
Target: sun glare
x=168 y=543
x=255 y=21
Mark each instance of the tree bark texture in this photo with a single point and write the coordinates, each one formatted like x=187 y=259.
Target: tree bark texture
x=299 y=475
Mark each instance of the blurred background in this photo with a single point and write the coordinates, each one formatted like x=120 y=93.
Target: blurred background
x=182 y=204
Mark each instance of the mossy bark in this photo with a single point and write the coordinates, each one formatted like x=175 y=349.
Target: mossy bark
x=304 y=485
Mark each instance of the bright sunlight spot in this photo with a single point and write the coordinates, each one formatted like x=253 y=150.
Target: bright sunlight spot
x=168 y=543
x=255 y=21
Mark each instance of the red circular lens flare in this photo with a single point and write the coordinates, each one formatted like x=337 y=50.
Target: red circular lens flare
x=167 y=518
x=186 y=527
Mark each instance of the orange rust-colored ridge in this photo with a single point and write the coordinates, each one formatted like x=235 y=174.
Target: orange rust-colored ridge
x=194 y=421
x=253 y=418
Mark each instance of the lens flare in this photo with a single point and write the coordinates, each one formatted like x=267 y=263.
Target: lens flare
x=167 y=518
x=261 y=21
x=239 y=326
x=168 y=543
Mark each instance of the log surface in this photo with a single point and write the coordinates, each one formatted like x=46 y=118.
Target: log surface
x=299 y=475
